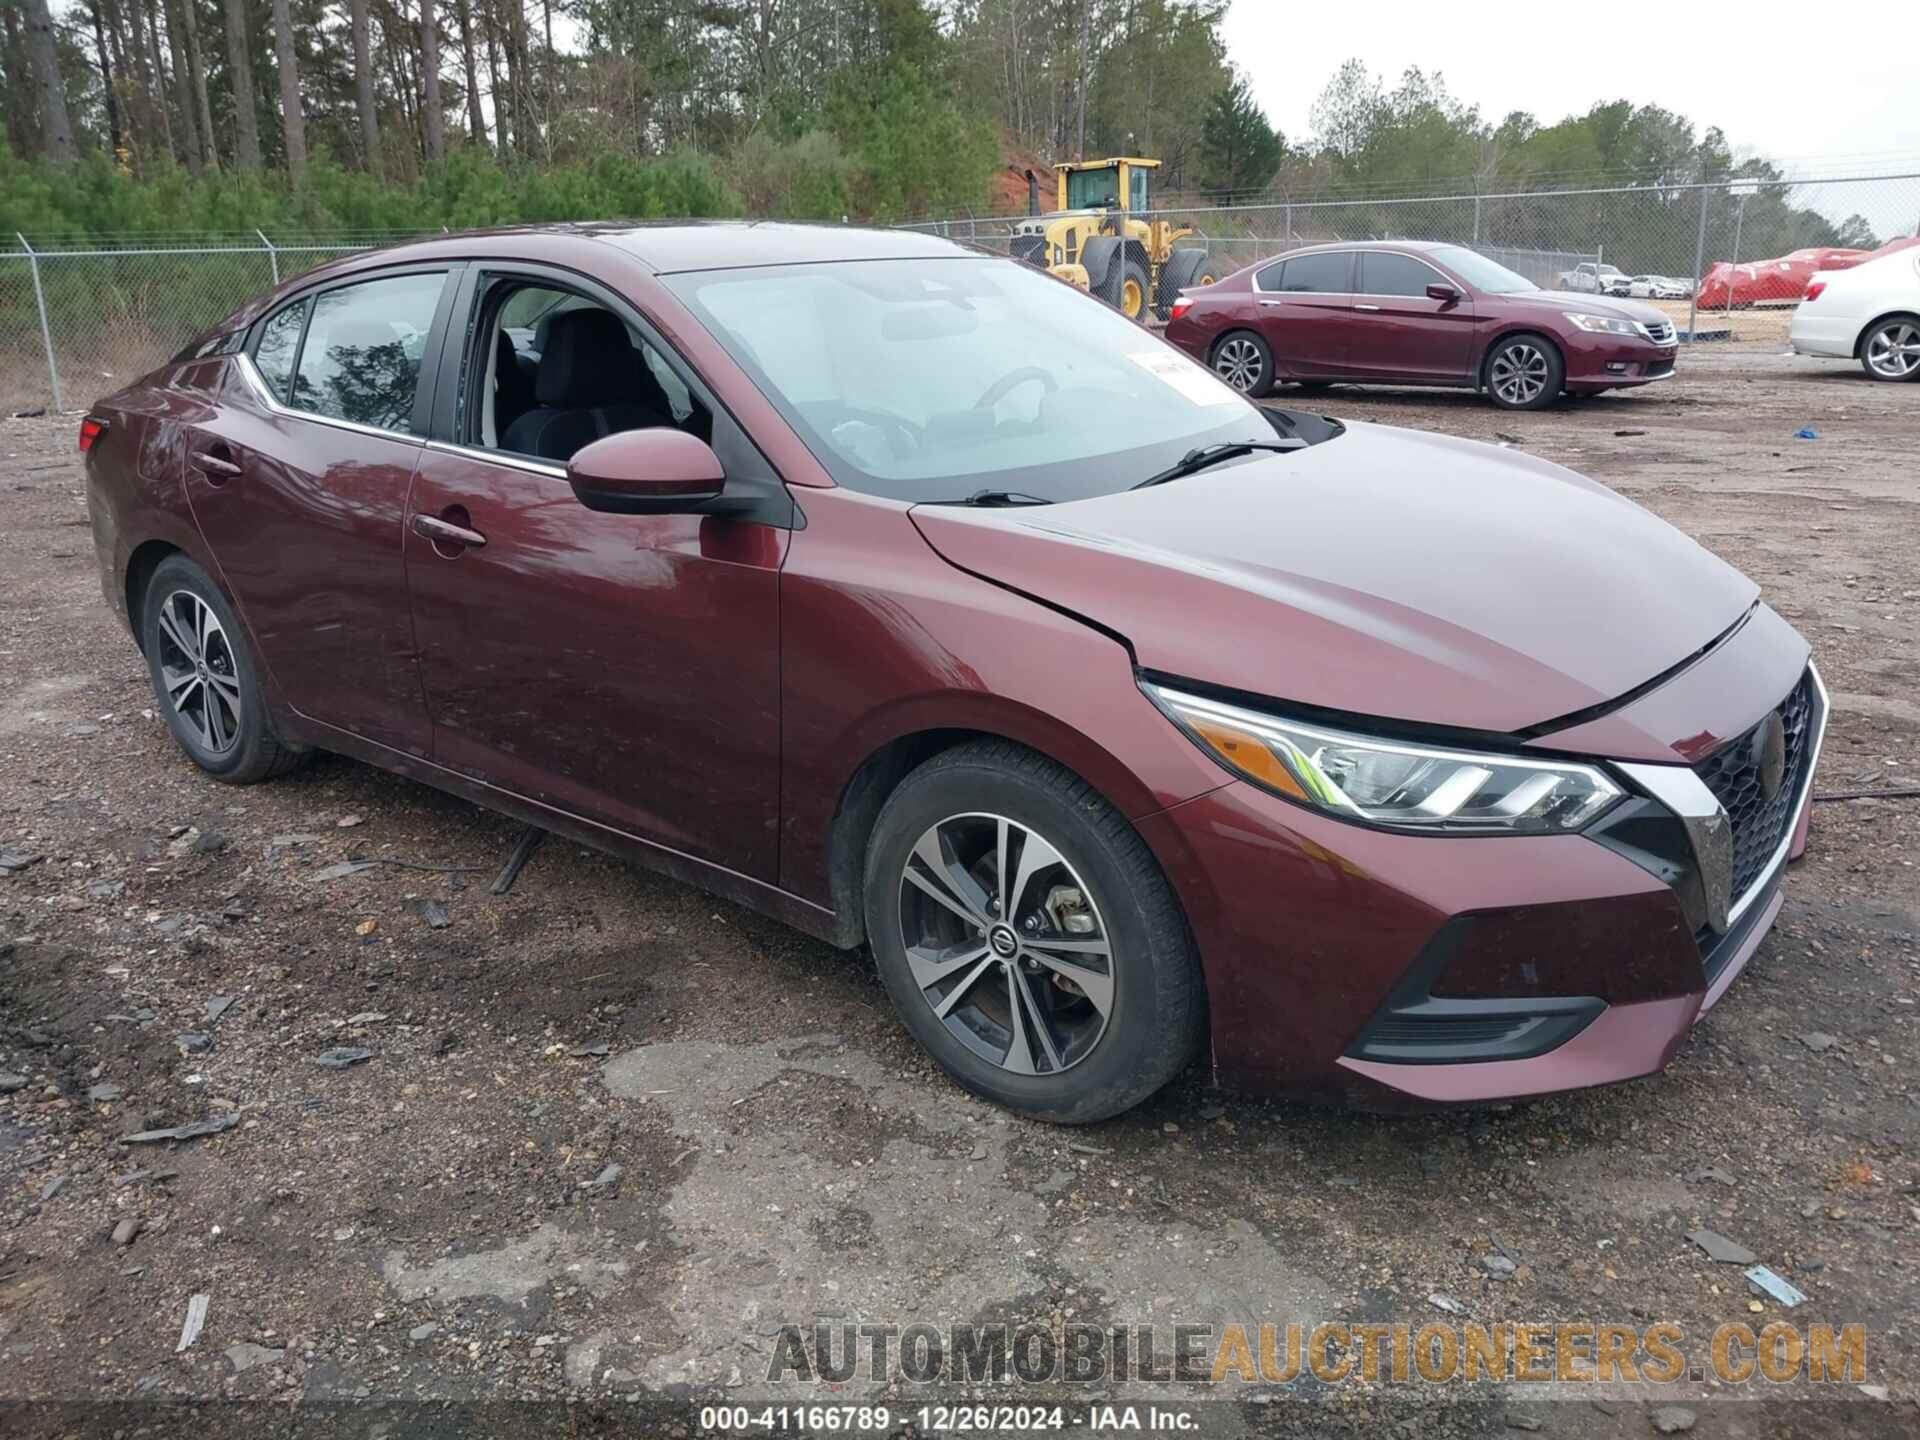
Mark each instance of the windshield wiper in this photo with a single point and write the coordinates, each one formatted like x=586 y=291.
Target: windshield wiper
x=1213 y=454
x=996 y=497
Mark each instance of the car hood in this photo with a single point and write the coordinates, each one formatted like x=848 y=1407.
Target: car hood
x=1561 y=301
x=1384 y=573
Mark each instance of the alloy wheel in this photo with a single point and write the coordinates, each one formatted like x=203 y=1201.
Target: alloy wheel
x=1006 y=944
x=199 y=671
x=1518 y=373
x=1893 y=351
x=1238 y=362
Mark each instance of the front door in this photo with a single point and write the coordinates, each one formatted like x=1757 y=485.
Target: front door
x=1399 y=332
x=621 y=668
x=298 y=480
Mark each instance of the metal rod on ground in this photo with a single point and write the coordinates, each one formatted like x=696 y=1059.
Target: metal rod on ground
x=46 y=332
x=523 y=849
x=1699 y=266
x=273 y=256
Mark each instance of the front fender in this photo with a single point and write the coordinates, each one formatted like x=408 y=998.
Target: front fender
x=882 y=640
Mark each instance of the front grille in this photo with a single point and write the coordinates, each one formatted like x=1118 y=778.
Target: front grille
x=1732 y=773
x=1030 y=248
x=1657 y=368
x=1659 y=331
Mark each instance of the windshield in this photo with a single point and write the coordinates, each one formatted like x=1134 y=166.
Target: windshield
x=1481 y=273
x=932 y=379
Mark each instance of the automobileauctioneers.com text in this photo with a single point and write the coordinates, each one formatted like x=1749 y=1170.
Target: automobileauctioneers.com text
x=1571 y=1353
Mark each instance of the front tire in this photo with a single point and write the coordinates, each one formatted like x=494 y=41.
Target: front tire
x=205 y=680
x=1242 y=359
x=1027 y=938
x=1133 y=292
x=1891 y=349
x=1524 y=372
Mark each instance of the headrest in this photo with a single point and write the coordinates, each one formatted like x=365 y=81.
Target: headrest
x=588 y=361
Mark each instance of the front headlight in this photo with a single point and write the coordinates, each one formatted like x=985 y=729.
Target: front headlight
x=1395 y=783
x=1602 y=324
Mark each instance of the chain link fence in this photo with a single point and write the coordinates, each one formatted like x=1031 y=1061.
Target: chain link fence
x=1720 y=258
x=77 y=321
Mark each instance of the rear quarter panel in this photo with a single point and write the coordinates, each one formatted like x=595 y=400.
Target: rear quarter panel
x=135 y=489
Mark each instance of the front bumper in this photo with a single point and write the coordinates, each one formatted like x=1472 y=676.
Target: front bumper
x=1606 y=362
x=1392 y=968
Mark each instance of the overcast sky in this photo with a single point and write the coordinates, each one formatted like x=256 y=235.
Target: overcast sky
x=1794 y=83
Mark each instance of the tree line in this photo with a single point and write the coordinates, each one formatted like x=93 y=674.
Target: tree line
x=148 y=115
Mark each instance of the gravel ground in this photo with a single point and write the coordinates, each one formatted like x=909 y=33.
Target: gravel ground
x=610 y=1134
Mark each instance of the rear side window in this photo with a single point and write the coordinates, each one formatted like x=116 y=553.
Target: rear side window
x=1318 y=274
x=361 y=359
x=1386 y=274
x=279 y=343
x=1268 y=277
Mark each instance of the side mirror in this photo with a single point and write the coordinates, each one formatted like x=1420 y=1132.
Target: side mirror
x=661 y=471
x=1445 y=294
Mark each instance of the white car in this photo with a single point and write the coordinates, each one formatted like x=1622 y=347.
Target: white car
x=1870 y=313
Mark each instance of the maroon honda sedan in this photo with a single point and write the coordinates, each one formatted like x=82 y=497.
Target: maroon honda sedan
x=1407 y=313
x=919 y=600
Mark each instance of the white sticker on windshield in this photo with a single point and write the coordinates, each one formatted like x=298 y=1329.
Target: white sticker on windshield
x=1197 y=384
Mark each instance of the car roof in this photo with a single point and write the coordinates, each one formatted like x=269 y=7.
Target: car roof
x=1412 y=246
x=662 y=247
x=665 y=247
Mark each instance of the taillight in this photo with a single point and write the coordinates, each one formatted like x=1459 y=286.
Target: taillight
x=1180 y=307
x=1816 y=289
x=90 y=431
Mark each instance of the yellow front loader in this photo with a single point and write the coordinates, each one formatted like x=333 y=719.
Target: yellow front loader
x=1095 y=238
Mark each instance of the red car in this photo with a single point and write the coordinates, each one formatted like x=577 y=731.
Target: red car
x=1407 y=313
x=919 y=600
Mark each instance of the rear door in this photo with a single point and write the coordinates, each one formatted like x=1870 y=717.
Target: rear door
x=1304 y=305
x=1399 y=331
x=299 y=483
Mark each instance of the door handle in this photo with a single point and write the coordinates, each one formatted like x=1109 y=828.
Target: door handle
x=1273 y=304
x=214 y=462
x=432 y=527
x=1366 y=307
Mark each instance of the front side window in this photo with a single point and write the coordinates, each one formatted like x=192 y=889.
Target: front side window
x=279 y=342
x=1384 y=273
x=1318 y=274
x=931 y=379
x=557 y=371
x=361 y=360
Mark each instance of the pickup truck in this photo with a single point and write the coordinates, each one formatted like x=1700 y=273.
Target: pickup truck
x=1595 y=279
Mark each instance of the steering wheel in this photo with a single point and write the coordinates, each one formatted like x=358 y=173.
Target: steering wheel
x=1011 y=381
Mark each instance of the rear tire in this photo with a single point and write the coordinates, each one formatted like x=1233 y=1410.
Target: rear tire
x=1242 y=359
x=1110 y=1003
x=205 y=680
x=1188 y=268
x=1102 y=259
x=1524 y=372
x=1890 y=350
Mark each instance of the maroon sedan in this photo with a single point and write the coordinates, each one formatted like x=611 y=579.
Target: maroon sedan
x=1408 y=313
x=919 y=600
